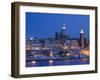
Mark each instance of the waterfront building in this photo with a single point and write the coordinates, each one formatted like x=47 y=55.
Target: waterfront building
x=61 y=42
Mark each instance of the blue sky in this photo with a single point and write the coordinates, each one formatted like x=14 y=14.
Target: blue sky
x=44 y=25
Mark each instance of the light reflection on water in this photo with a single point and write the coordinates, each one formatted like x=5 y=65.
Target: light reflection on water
x=57 y=62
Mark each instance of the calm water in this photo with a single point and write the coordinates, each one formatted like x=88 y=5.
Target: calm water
x=57 y=62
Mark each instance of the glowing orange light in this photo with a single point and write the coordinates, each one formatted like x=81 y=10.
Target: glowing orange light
x=86 y=52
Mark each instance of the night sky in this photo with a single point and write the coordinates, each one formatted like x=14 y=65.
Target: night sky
x=44 y=25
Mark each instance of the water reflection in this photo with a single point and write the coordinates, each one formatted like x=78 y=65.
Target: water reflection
x=57 y=62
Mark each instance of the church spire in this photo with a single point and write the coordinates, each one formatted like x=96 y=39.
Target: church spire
x=82 y=31
x=82 y=38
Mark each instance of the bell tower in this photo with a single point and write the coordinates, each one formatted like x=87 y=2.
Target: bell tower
x=81 y=38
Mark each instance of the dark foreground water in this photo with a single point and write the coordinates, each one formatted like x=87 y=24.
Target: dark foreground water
x=57 y=62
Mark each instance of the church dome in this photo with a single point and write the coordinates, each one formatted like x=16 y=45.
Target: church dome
x=63 y=33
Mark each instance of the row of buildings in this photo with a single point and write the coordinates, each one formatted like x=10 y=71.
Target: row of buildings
x=60 y=47
x=61 y=41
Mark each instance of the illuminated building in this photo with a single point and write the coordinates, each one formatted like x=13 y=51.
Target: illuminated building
x=61 y=42
x=82 y=38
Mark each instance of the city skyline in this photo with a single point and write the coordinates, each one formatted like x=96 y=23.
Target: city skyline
x=44 y=25
x=51 y=39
